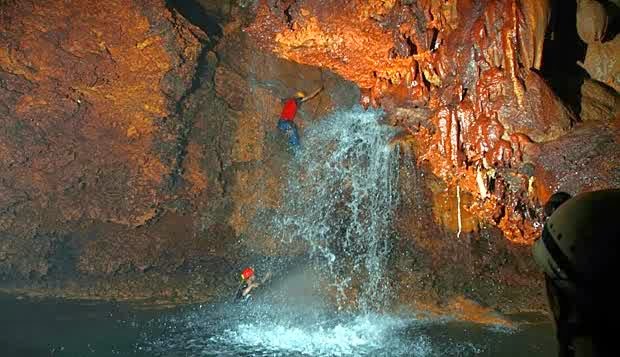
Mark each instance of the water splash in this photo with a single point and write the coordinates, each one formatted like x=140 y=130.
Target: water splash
x=323 y=338
x=227 y=331
x=340 y=198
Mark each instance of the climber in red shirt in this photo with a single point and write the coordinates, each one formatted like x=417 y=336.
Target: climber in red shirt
x=286 y=123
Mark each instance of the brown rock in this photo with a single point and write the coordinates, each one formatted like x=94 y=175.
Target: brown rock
x=92 y=143
x=532 y=31
x=250 y=136
x=321 y=36
x=231 y=87
x=154 y=187
x=247 y=193
x=434 y=265
x=85 y=102
x=587 y=159
x=542 y=116
x=602 y=62
x=598 y=102
x=464 y=65
x=591 y=21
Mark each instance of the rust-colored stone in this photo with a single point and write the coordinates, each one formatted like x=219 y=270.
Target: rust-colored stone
x=434 y=265
x=85 y=102
x=598 y=102
x=587 y=159
x=466 y=62
x=231 y=87
x=532 y=31
x=602 y=63
x=320 y=36
x=91 y=139
x=591 y=20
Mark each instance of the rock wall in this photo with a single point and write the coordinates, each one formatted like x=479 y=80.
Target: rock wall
x=461 y=78
x=490 y=138
x=136 y=149
x=140 y=157
x=461 y=61
x=91 y=141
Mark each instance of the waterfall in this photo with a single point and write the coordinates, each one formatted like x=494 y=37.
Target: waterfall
x=339 y=202
x=340 y=199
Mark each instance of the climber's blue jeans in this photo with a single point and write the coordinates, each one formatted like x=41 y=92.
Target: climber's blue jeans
x=289 y=128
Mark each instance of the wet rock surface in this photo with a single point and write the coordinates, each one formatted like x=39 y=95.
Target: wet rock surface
x=435 y=265
x=584 y=160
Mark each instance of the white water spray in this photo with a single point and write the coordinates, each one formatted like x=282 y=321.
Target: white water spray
x=340 y=200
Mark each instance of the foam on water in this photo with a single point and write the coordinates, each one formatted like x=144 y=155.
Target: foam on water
x=362 y=333
x=213 y=331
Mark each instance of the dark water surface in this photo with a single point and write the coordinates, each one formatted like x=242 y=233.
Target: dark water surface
x=36 y=327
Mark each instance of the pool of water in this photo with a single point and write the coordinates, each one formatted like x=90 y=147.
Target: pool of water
x=35 y=327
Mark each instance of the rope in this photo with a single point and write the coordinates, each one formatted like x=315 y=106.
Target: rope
x=458 y=210
x=316 y=108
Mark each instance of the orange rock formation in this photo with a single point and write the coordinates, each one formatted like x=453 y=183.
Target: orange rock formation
x=470 y=65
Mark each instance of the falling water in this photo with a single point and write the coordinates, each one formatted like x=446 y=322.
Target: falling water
x=340 y=199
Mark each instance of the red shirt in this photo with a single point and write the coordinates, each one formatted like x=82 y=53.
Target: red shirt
x=289 y=110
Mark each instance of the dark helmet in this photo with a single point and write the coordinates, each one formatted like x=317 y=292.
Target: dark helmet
x=554 y=202
x=578 y=235
x=579 y=254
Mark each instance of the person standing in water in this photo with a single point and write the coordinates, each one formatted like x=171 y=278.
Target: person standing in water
x=286 y=124
x=248 y=282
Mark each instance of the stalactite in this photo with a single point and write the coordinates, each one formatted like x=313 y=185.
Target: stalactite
x=509 y=36
x=481 y=184
x=458 y=209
